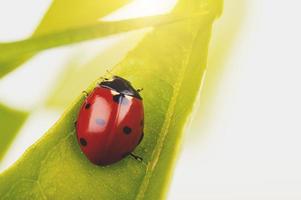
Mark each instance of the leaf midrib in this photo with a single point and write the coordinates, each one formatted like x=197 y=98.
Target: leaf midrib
x=161 y=139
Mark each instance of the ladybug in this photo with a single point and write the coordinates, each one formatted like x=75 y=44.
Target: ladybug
x=110 y=122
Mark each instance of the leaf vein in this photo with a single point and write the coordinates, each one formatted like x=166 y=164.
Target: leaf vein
x=164 y=131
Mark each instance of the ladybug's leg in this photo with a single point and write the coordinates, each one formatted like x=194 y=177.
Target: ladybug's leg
x=109 y=72
x=139 y=90
x=136 y=157
x=86 y=96
x=141 y=137
x=85 y=93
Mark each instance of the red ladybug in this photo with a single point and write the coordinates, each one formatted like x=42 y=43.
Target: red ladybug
x=110 y=122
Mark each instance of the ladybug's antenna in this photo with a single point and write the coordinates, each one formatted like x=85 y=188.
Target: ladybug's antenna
x=110 y=72
x=104 y=78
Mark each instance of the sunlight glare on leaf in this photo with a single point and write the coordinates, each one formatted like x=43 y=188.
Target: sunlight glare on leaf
x=27 y=87
x=25 y=137
x=141 y=8
x=22 y=22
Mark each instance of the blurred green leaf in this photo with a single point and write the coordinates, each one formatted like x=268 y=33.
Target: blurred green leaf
x=9 y=52
x=224 y=40
x=66 y=14
x=10 y=122
x=63 y=15
x=169 y=64
x=77 y=76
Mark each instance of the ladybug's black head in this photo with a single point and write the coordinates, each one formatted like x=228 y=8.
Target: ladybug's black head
x=121 y=85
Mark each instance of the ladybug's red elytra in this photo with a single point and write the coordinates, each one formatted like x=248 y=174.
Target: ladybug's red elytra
x=110 y=122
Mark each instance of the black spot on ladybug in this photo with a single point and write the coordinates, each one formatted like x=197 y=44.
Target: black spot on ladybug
x=120 y=99
x=141 y=138
x=87 y=106
x=127 y=130
x=100 y=121
x=83 y=142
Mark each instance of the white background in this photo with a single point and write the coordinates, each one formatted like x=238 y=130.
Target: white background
x=250 y=146
x=245 y=140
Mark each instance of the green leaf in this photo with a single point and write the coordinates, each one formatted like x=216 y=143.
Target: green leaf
x=66 y=14
x=11 y=121
x=77 y=76
x=169 y=64
x=63 y=15
x=9 y=52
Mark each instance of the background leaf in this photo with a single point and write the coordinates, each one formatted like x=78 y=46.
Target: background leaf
x=63 y=15
x=169 y=64
x=77 y=76
x=11 y=121
x=66 y=14
x=21 y=49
